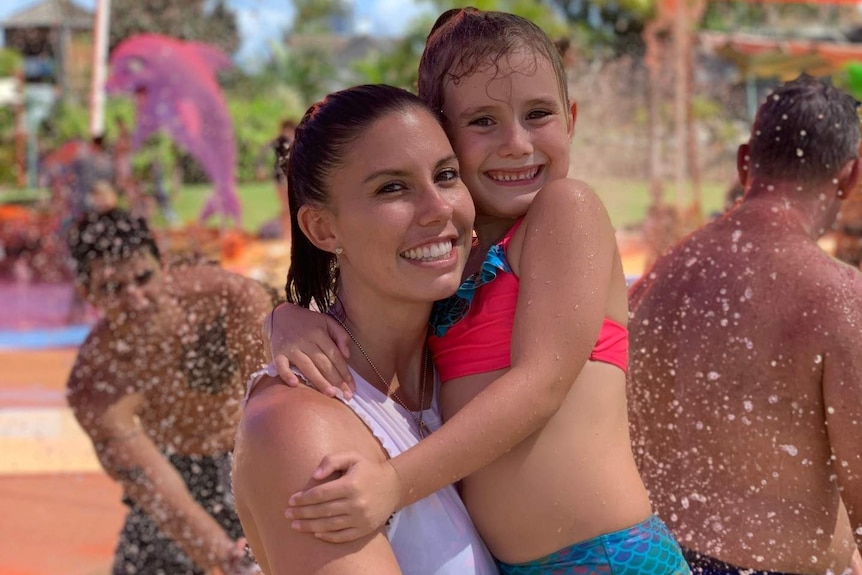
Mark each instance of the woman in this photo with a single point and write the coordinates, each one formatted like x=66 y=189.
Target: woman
x=377 y=238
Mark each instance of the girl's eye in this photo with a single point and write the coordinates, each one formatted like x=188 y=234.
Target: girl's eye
x=538 y=114
x=482 y=122
x=448 y=175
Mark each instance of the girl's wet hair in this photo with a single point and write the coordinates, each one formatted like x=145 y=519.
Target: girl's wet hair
x=323 y=139
x=466 y=40
x=110 y=235
x=805 y=131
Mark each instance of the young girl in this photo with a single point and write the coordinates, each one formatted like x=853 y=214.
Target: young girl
x=532 y=350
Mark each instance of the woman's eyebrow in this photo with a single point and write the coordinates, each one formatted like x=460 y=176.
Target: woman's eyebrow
x=394 y=173
x=447 y=160
x=391 y=173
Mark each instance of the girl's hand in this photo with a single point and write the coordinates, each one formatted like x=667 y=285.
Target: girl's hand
x=314 y=344
x=357 y=503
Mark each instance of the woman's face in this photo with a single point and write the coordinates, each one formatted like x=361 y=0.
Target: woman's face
x=399 y=210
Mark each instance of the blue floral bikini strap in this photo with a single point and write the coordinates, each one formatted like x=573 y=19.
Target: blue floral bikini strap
x=451 y=310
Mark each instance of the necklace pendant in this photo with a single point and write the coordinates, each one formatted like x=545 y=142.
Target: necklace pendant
x=424 y=430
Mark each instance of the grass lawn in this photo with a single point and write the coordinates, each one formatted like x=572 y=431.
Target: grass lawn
x=626 y=201
x=258 y=200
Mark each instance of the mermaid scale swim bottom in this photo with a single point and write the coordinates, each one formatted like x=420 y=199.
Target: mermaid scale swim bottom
x=647 y=548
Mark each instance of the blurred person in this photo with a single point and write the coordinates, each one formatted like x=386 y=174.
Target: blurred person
x=744 y=380
x=102 y=196
x=92 y=163
x=157 y=386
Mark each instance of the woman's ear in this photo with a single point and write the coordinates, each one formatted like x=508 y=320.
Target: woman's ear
x=316 y=225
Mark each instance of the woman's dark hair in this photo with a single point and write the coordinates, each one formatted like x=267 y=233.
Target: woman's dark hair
x=465 y=40
x=110 y=235
x=323 y=138
x=804 y=131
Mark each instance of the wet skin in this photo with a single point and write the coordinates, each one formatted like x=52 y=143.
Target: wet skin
x=745 y=343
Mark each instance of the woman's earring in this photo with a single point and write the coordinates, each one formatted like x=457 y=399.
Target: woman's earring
x=339 y=250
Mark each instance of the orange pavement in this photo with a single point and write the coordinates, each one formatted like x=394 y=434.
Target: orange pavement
x=59 y=523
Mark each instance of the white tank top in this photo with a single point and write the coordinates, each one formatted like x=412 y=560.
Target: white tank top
x=433 y=536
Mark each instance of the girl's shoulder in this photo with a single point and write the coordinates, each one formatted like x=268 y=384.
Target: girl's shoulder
x=560 y=204
x=565 y=193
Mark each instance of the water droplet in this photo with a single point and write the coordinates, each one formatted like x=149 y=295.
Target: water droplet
x=791 y=450
x=773 y=399
x=748 y=405
x=713 y=375
x=799 y=152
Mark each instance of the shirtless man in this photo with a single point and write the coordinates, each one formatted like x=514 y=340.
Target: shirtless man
x=158 y=386
x=745 y=381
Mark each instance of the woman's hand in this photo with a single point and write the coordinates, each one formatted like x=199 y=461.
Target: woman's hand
x=313 y=343
x=351 y=506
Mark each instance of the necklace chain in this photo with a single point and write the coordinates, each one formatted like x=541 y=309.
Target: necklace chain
x=424 y=430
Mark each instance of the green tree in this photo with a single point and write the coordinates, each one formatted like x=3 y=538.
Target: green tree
x=543 y=13
x=10 y=62
x=316 y=16
x=613 y=24
x=398 y=65
x=197 y=20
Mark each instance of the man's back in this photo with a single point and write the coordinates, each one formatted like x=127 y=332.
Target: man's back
x=731 y=333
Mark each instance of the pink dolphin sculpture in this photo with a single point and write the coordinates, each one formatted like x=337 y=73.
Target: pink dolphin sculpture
x=174 y=82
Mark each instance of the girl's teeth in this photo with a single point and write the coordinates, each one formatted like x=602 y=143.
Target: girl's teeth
x=436 y=251
x=509 y=177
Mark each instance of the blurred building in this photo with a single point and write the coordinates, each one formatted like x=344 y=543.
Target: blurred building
x=55 y=38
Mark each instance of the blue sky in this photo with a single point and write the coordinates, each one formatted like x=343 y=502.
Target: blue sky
x=262 y=21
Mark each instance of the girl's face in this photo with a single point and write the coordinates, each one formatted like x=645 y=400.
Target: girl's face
x=511 y=132
x=400 y=212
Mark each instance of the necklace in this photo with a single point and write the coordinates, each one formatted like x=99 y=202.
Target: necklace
x=424 y=430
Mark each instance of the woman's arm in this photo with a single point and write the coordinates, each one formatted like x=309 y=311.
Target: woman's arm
x=565 y=265
x=283 y=434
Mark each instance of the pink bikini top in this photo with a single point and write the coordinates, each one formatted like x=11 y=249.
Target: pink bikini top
x=471 y=332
